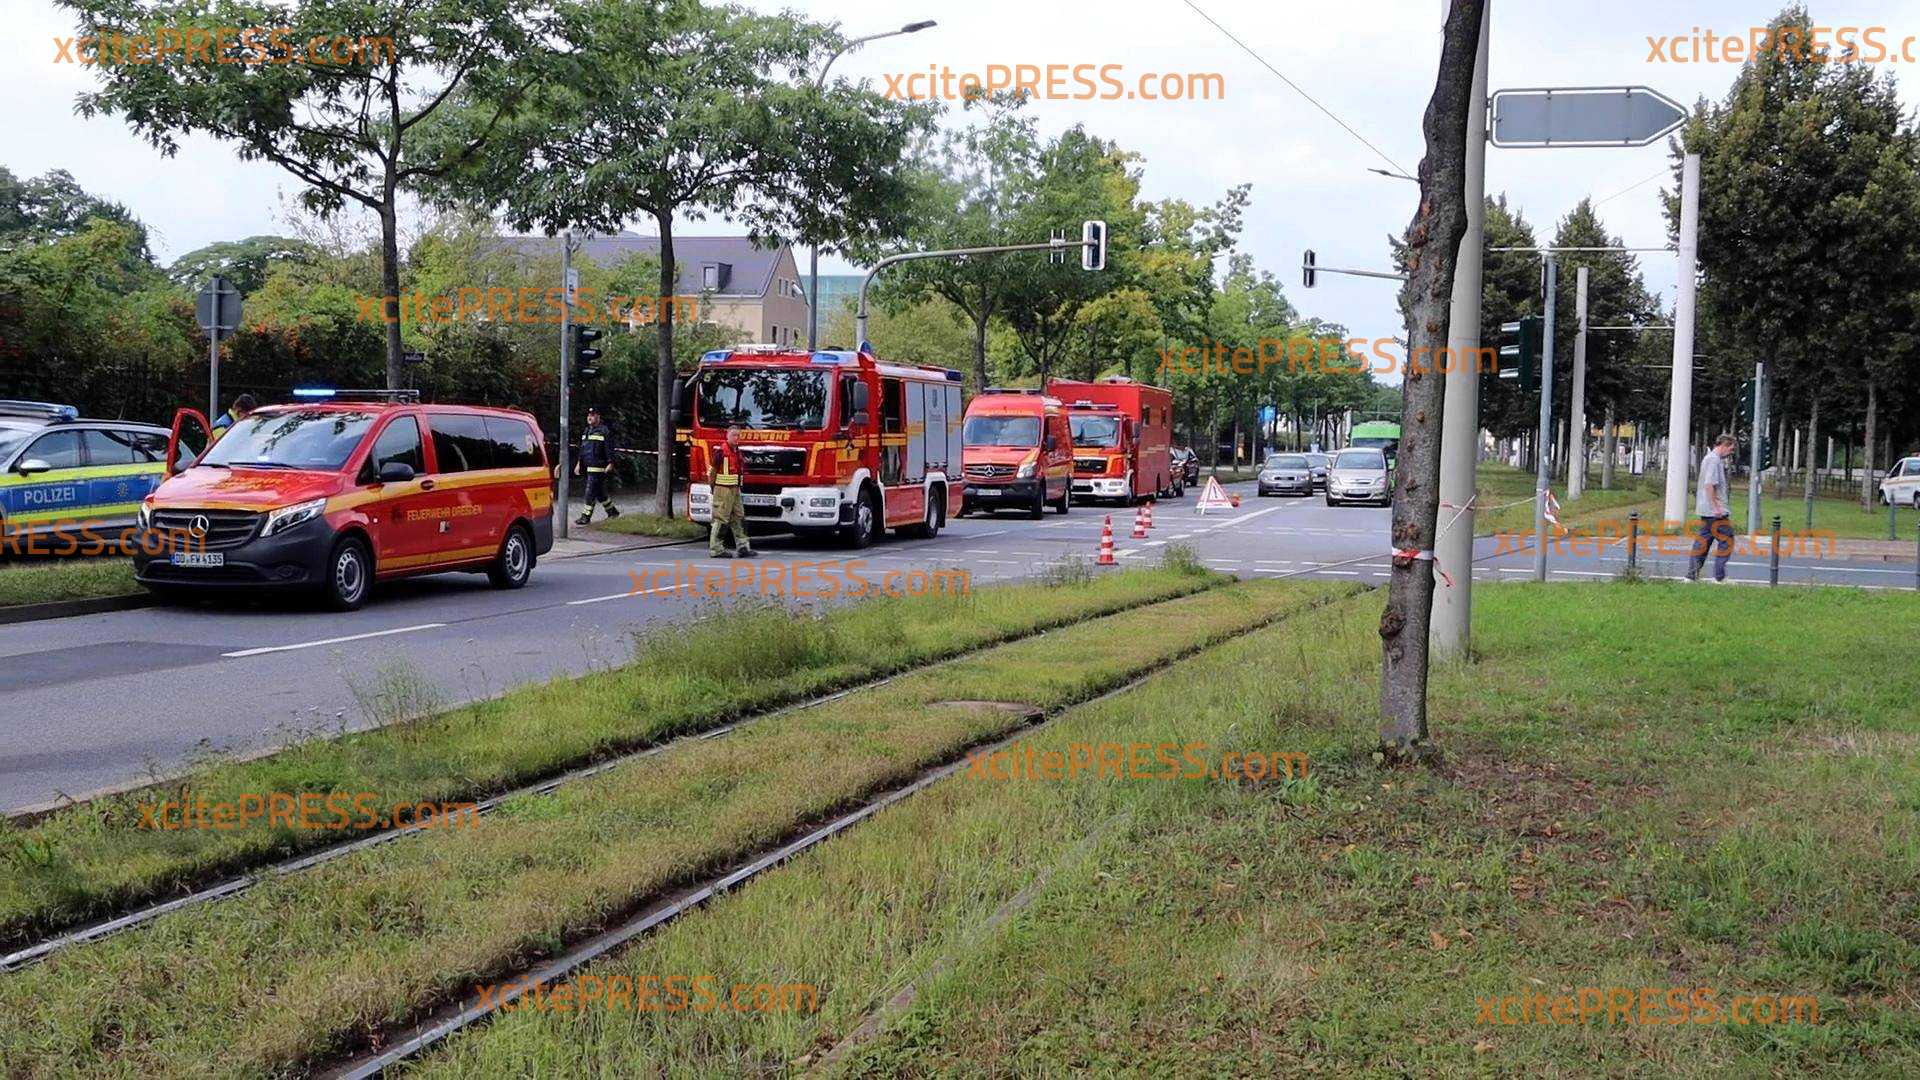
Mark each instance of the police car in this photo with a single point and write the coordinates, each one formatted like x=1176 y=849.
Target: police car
x=59 y=470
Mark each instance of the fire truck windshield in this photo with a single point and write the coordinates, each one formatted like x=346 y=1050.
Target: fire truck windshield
x=764 y=398
x=988 y=430
x=1095 y=430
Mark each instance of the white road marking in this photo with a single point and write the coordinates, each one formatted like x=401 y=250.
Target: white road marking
x=1342 y=573
x=333 y=640
x=618 y=595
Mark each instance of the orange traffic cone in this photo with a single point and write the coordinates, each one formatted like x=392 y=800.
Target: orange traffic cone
x=1149 y=513
x=1106 y=544
x=1140 y=524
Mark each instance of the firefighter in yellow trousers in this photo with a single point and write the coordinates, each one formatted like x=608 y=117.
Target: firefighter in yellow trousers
x=728 y=512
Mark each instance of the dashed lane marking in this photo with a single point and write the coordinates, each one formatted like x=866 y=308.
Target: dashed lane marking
x=332 y=641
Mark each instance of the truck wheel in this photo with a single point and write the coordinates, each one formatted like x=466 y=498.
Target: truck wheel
x=514 y=565
x=1039 y=506
x=349 y=575
x=866 y=524
x=928 y=528
x=1066 y=500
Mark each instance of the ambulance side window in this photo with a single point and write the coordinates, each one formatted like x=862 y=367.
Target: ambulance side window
x=400 y=442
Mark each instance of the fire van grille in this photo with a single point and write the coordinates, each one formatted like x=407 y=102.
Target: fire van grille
x=771 y=461
x=989 y=472
x=223 y=528
x=1090 y=465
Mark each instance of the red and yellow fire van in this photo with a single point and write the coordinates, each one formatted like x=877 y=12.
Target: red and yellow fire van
x=1018 y=453
x=348 y=488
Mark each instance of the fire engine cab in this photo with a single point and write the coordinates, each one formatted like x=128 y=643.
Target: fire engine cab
x=831 y=442
x=1122 y=431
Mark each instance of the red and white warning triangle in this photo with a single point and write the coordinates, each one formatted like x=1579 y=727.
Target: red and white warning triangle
x=1213 y=497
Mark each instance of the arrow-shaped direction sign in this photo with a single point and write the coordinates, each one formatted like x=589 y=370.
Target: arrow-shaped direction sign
x=1583 y=116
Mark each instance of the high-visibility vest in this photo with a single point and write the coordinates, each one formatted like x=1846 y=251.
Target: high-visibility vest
x=723 y=471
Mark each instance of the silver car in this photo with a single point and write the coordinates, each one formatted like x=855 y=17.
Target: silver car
x=1320 y=462
x=1358 y=475
x=1286 y=474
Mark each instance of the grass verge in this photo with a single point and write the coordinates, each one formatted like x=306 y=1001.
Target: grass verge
x=95 y=858
x=635 y=523
x=359 y=943
x=43 y=582
x=1683 y=809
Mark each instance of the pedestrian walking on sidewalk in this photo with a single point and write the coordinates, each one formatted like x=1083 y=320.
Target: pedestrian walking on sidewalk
x=1710 y=502
x=596 y=458
x=728 y=511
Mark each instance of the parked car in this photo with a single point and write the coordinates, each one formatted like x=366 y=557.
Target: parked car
x=57 y=469
x=336 y=494
x=1902 y=485
x=1358 y=474
x=1319 y=463
x=1187 y=466
x=1286 y=474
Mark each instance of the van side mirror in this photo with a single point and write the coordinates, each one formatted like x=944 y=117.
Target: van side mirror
x=860 y=418
x=396 y=472
x=32 y=465
x=682 y=402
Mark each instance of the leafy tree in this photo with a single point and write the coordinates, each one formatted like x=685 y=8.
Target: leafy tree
x=676 y=107
x=244 y=263
x=350 y=131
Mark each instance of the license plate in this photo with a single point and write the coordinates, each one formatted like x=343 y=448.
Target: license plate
x=199 y=558
x=988 y=493
x=759 y=500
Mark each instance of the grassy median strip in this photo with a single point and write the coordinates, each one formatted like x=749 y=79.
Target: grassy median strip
x=97 y=857
x=1722 y=799
x=636 y=523
x=45 y=581
x=305 y=965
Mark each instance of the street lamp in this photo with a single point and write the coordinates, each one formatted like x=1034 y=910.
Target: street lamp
x=813 y=251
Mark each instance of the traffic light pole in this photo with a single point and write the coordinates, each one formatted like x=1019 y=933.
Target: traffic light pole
x=1542 y=478
x=562 y=515
x=1449 y=628
x=1753 y=468
x=1680 y=410
x=1577 y=416
x=1091 y=247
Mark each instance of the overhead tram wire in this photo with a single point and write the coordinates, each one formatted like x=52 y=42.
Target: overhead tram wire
x=1296 y=88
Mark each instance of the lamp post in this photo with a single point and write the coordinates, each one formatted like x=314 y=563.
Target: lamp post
x=813 y=251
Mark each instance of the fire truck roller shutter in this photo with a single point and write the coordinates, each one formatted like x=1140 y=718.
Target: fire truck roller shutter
x=915 y=468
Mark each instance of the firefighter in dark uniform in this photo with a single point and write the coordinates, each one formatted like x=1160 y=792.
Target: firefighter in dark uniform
x=728 y=512
x=596 y=458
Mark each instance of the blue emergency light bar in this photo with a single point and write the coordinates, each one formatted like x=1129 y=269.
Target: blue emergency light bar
x=43 y=409
x=314 y=392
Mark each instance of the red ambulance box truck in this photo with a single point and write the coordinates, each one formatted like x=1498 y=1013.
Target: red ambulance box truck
x=1018 y=453
x=1122 y=431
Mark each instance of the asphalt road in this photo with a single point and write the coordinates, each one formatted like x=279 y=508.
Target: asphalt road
x=102 y=701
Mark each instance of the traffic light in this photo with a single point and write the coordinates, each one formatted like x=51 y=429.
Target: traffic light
x=1766 y=452
x=1093 y=249
x=1745 y=410
x=1307 y=274
x=1520 y=352
x=584 y=355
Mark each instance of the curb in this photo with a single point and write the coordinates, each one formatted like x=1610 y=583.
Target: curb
x=604 y=547
x=61 y=609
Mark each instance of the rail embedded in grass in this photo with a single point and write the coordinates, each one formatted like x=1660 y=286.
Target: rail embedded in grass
x=434 y=917
x=93 y=859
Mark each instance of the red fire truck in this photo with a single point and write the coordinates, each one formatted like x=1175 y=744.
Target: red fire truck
x=832 y=441
x=1122 y=430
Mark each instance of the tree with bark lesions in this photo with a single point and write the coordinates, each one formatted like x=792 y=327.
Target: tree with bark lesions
x=1432 y=252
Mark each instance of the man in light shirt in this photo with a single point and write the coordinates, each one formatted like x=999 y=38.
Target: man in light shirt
x=1710 y=502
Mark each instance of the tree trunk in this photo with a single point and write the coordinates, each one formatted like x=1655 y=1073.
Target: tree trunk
x=980 y=351
x=663 y=383
x=389 y=284
x=1612 y=451
x=1433 y=248
x=1808 y=485
x=1866 y=451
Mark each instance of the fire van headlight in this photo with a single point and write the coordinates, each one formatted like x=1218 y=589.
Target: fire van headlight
x=144 y=516
x=1027 y=468
x=298 y=514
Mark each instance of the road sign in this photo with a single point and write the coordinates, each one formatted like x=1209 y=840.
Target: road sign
x=573 y=285
x=218 y=306
x=1583 y=116
x=1213 y=497
x=413 y=356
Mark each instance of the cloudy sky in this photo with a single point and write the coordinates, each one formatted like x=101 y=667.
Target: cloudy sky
x=1369 y=62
